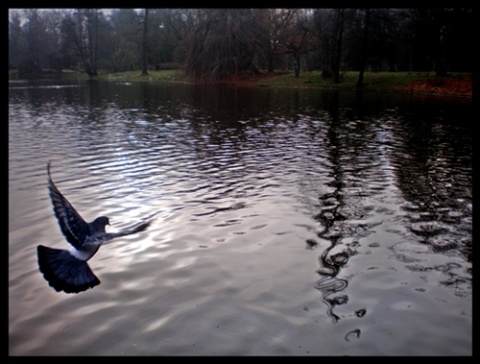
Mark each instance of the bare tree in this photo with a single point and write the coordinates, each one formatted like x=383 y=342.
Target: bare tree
x=364 y=54
x=213 y=43
x=144 y=44
x=91 y=16
x=298 y=38
x=222 y=44
x=81 y=33
x=324 y=24
x=124 y=45
x=273 y=26
x=15 y=40
x=339 y=25
x=34 y=32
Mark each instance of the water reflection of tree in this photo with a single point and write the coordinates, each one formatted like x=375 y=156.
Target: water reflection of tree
x=433 y=164
x=354 y=169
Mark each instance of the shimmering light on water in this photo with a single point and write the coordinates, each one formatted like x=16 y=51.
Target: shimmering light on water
x=285 y=222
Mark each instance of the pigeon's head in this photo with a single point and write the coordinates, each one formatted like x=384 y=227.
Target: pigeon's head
x=100 y=222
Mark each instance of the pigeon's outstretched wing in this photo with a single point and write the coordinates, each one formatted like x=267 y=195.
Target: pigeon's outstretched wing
x=72 y=225
x=64 y=272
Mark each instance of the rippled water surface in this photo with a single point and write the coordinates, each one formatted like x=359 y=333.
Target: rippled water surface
x=287 y=221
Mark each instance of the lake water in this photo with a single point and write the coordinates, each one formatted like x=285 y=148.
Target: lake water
x=286 y=221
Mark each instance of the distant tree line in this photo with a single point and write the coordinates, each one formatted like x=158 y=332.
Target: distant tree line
x=214 y=43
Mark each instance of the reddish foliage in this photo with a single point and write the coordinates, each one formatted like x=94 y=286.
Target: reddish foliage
x=458 y=86
x=448 y=85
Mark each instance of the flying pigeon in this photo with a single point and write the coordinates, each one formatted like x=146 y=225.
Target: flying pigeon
x=67 y=270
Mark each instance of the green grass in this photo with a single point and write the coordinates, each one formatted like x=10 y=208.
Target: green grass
x=134 y=76
x=128 y=76
x=348 y=80
x=372 y=80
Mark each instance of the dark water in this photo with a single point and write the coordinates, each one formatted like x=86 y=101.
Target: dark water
x=288 y=221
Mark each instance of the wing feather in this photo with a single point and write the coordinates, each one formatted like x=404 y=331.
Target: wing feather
x=72 y=225
x=99 y=239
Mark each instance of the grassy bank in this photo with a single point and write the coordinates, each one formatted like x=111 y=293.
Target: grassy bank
x=281 y=79
x=135 y=76
x=456 y=84
x=127 y=76
x=348 y=80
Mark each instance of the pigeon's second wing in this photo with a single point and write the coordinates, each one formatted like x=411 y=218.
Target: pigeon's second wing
x=101 y=238
x=72 y=225
x=134 y=230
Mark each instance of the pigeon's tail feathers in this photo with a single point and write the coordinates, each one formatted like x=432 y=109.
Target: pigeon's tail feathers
x=64 y=272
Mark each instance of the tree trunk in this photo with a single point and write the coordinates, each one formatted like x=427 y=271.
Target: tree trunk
x=270 y=62
x=297 y=65
x=93 y=52
x=327 y=63
x=364 y=55
x=92 y=34
x=144 y=45
x=338 y=45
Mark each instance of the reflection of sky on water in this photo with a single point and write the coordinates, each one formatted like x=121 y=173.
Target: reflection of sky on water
x=238 y=186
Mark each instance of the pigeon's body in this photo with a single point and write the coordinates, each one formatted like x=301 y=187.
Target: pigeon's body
x=67 y=270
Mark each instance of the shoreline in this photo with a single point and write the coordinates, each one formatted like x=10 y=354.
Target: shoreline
x=451 y=85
